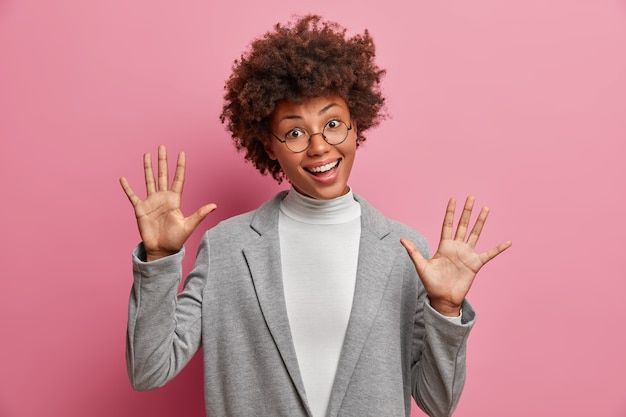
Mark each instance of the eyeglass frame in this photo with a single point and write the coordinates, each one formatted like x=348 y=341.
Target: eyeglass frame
x=284 y=141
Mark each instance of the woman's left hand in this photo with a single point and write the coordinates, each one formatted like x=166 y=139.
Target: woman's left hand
x=449 y=274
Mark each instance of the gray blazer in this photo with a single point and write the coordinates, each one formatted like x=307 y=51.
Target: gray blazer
x=233 y=306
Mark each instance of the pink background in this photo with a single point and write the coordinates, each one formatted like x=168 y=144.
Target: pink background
x=521 y=103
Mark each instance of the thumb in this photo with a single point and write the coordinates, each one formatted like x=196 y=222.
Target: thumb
x=416 y=256
x=200 y=215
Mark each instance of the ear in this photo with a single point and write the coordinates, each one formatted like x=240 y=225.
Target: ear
x=267 y=145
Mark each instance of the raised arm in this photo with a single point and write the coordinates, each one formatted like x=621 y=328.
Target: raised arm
x=163 y=333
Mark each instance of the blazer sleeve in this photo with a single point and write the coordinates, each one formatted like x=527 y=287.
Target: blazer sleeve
x=438 y=370
x=164 y=327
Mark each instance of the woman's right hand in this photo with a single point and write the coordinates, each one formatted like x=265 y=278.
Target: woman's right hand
x=162 y=225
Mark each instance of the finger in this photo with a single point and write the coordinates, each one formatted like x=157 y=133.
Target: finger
x=132 y=197
x=416 y=256
x=163 y=174
x=478 y=227
x=448 y=220
x=461 y=230
x=196 y=218
x=490 y=254
x=148 y=174
x=179 y=174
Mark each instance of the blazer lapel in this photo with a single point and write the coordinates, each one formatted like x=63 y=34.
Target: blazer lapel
x=376 y=259
x=263 y=257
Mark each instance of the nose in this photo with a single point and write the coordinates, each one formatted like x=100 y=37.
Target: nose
x=318 y=144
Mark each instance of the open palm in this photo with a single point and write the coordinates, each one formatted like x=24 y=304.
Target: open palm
x=449 y=274
x=162 y=225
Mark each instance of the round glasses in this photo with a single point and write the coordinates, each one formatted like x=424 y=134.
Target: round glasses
x=299 y=139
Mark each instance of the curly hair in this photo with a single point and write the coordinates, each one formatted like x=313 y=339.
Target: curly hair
x=305 y=59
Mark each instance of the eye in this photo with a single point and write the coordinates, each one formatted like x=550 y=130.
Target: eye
x=333 y=124
x=296 y=133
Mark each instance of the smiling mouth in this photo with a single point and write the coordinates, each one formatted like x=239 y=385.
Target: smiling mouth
x=324 y=168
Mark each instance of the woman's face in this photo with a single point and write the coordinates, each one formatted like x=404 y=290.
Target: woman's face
x=322 y=170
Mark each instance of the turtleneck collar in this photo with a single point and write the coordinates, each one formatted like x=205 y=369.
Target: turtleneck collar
x=313 y=211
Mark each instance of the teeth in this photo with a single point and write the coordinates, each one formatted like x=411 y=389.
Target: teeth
x=324 y=168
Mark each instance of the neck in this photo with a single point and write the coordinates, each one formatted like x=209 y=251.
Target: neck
x=310 y=210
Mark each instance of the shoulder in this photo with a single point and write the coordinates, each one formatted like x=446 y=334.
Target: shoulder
x=255 y=222
x=389 y=229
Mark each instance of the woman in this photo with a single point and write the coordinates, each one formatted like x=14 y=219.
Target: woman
x=313 y=304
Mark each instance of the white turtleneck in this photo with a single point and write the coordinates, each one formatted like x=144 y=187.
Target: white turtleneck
x=319 y=247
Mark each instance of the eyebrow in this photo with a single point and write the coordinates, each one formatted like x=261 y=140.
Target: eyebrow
x=322 y=111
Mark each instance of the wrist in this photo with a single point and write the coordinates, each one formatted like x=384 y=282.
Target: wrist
x=446 y=308
x=156 y=255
